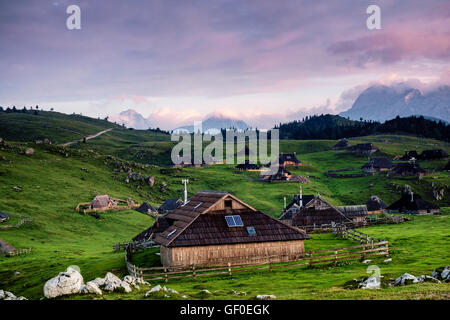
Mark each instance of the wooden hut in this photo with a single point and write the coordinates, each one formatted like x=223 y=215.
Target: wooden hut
x=408 y=169
x=158 y=226
x=318 y=212
x=342 y=144
x=216 y=228
x=147 y=209
x=102 y=202
x=247 y=166
x=433 y=154
x=413 y=204
x=289 y=159
x=409 y=155
x=169 y=205
x=375 y=205
x=365 y=149
x=377 y=165
x=358 y=214
x=3 y=217
x=297 y=203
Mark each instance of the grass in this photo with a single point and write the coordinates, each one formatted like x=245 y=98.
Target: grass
x=52 y=185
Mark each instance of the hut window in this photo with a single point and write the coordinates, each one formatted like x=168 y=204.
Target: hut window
x=229 y=204
x=234 y=221
x=251 y=231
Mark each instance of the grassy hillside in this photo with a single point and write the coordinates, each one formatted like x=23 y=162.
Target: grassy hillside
x=55 y=126
x=53 y=184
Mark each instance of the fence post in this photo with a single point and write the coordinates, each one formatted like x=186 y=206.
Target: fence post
x=166 y=279
x=229 y=268
x=194 y=275
x=310 y=258
x=335 y=257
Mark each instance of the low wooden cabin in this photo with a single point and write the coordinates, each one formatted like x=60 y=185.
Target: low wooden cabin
x=409 y=155
x=297 y=203
x=317 y=213
x=216 y=228
x=408 y=169
x=147 y=209
x=365 y=149
x=102 y=202
x=377 y=165
x=161 y=223
x=342 y=144
x=358 y=214
x=3 y=217
x=289 y=159
x=375 y=205
x=169 y=205
x=433 y=154
x=413 y=204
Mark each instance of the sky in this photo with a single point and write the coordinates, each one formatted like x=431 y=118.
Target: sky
x=261 y=61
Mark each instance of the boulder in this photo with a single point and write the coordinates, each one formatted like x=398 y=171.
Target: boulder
x=265 y=296
x=112 y=282
x=423 y=278
x=172 y=291
x=205 y=291
x=405 y=279
x=91 y=287
x=442 y=273
x=100 y=282
x=153 y=290
x=151 y=181
x=29 y=151
x=370 y=283
x=2 y=294
x=67 y=282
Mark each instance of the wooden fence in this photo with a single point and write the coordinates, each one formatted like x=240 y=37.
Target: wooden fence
x=18 y=252
x=343 y=231
x=310 y=258
x=142 y=245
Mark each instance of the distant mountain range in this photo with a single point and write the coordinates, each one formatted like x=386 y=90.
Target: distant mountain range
x=213 y=125
x=381 y=103
x=131 y=119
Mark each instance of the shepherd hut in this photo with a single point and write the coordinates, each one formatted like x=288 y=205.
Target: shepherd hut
x=289 y=159
x=375 y=205
x=357 y=214
x=169 y=205
x=433 y=154
x=377 y=164
x=318 y=212
x=297 y=203
x=410 y=155
x=147 y=208
x=408 y=169
x=365 y=149
x=342 y=144
x=216 y=228
x=3 y=217
x=413 y=204
x=102 y=202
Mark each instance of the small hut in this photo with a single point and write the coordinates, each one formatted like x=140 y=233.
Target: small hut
x=5 y=247
x=375 y=205
x=365 y=149
x=318 y=212
x=409 y=155
x=147 y=209
x=169 y=205
x=160 y=225
x=433 y=154
x=358 y=214
x=342 y=144
x=216 y=228
x=413 y=204
x=408 y=169
x=377 y=165
x=289 y=159
x=3 y=217
x=297 y=203
x=102 y=202
x=247 y=166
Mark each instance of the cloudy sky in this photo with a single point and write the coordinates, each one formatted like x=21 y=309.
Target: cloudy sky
x=262 y=61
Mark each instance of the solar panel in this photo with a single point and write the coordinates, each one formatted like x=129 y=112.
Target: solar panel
x=251 y=231
x=238 y=221
x=230 y=221
x=234 y=221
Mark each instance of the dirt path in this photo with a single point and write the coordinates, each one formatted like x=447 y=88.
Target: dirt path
x=87 y=137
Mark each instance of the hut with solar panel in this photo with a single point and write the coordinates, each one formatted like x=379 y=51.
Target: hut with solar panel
x=215 y=228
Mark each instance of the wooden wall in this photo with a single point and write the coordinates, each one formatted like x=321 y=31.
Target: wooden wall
x=216 y=255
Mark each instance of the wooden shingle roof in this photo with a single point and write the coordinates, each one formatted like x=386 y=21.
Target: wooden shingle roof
x=196 y=224
x=353 y=211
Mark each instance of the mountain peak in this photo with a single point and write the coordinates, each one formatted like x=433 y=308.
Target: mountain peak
x=131 y=119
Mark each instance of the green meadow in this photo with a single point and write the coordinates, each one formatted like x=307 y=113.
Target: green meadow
x=52 y=185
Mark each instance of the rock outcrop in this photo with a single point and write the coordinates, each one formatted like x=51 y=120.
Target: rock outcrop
x=67 y=282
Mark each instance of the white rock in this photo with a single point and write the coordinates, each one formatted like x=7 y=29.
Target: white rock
x=153 y=290
x=423 y=278
x=184 y=297
x=21 y=298
x=112 y=282
x=100 y=282
x=166 y=296
x=2 y=294
x=367 y=261
x=68 y=282
x=370 y=283
x=445 y=275
x=91 y=287
x=405 y=279
x=206 y=291
x=172 y=291
x=265 y=296
x=126 y=286
x=388 y=260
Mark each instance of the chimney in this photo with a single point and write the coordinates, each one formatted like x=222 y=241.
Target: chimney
x=185 y=181
x=301 y=197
